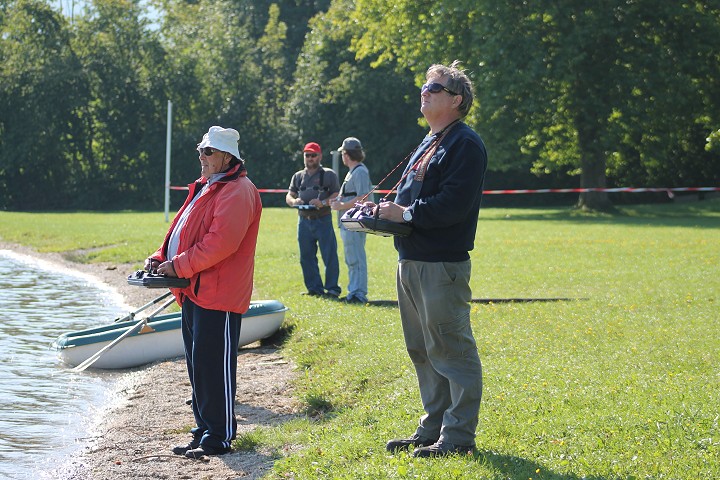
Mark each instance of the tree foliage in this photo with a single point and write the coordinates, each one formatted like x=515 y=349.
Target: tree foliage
x=608 y=93
x=41 y=92
x=336 y=96
x=120 y=56
x=625 y=90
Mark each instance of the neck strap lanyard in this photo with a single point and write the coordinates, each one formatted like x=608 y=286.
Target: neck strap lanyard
x=420 y=165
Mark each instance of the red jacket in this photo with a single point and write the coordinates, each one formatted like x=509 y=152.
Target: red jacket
x=217 y=244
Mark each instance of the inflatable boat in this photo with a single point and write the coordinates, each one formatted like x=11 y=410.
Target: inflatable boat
x=158 y=338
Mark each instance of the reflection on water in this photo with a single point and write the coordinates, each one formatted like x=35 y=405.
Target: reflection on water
x=45 y=409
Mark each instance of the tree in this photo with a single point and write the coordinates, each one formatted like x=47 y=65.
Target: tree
x=335 y=95
x=675 y=77
x=123 y=150
x=226 y=76
x=612 y=93
x=41 y=91
x=570 y=84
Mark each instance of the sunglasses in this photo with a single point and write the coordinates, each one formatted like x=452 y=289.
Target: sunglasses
x=207 y=151
x=311 y=155
x=436 y=88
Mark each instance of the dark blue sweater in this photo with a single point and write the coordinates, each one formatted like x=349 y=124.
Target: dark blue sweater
x=445 y=212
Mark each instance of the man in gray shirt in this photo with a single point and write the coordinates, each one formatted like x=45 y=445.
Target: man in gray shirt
x=356 y=185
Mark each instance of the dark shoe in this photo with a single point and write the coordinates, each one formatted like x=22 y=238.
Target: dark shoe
x=353 y=300
x=182 y=450
x=331 y=295
x=405 y=443
x=205 y=450
x=442 y=449
x=312 y=294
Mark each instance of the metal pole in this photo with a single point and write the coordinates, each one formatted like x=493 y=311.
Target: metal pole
x=167 y=161
x=336 y=161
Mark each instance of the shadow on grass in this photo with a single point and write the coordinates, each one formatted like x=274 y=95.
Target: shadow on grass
x=394 y=303
x=696 y=216
x=279 y=338
x=517 y=468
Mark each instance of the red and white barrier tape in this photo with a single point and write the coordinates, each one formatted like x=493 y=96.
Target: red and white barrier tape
x=610 y=190
x=670 y=191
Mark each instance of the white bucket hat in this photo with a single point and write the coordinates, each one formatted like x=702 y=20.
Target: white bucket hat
x=223 y=139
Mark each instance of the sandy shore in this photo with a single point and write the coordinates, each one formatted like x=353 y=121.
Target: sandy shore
x=149 y=415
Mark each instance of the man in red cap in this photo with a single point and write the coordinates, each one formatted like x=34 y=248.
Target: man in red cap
x=311 y=190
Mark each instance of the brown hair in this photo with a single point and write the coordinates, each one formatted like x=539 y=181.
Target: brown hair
x=458 y=81
x=356 y=155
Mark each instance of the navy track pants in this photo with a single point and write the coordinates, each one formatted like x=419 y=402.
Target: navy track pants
x=211 y=340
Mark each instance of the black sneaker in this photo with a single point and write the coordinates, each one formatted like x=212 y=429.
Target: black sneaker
x=312 y=294
x=182 y=450
x=405 y=443
x=203 y=450
x=443 y=449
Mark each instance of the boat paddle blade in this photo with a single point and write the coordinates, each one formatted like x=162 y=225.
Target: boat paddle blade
x=94 y=358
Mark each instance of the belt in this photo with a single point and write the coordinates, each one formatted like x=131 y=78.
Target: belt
x=314 y=216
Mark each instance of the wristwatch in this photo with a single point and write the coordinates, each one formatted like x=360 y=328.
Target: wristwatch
x=407 y=215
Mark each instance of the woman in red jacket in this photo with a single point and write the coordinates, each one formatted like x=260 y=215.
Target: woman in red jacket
x=212 y=242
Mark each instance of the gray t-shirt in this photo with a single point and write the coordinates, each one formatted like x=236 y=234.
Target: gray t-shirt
x=321 y=184
x=356 y=184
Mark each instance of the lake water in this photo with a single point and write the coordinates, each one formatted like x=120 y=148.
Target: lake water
x=46 y=410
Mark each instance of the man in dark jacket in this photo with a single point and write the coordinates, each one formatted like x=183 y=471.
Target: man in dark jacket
x=440 y=197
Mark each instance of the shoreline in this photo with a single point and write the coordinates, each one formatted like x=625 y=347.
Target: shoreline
x=147 y=415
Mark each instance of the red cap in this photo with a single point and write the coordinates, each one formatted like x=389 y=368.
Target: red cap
x=312 y=147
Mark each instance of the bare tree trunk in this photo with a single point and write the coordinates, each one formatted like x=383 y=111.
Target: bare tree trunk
x=593 y=164
x=593 y=176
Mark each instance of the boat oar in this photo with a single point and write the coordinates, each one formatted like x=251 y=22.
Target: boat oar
x=94 y=358
x=163 y=307
x=131 y=315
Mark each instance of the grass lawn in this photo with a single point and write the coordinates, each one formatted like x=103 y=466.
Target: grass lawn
x=614 y=373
